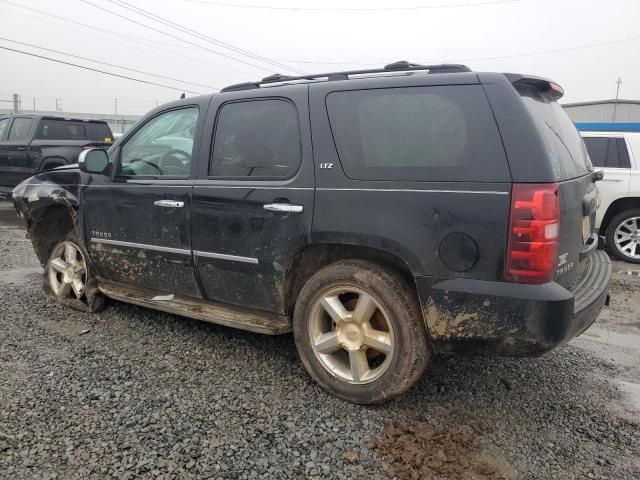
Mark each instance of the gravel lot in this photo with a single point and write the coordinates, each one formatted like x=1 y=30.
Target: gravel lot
x=133 y=393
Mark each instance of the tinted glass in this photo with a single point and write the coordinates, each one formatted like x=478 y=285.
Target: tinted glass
x=98 y=131
x=259 y=138
x=441 y=133
x=604 y=152
x=566 y=151
x=161 y=147
x=20 y=129
x=4 y=123
x=73 y=130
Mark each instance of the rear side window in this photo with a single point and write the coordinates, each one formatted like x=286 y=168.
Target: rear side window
x=73 y=130
x=566 y=151
x=20 y=129
x=440 y=133
x=607 y=152
x=258 y=138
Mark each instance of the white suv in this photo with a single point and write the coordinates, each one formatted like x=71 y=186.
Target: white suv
x=618 y=218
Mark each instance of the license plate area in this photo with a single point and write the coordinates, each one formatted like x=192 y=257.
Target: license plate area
x=586 y=228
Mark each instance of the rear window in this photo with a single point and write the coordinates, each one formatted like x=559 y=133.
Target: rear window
x=607 y=152
x=73 y=130
x=566 y=152
x=439 y=133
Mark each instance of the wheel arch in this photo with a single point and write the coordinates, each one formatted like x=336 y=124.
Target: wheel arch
x=48 y=225
x=311 y=258
x=53 y=161
x=616 y=207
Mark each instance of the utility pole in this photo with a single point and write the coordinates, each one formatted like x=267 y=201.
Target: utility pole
x=116 y=106
x=58 y=105
x=615 y=105
x=16 y=103
x=34 y=104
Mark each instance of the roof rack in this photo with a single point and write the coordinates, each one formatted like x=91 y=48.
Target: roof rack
x=401 y=66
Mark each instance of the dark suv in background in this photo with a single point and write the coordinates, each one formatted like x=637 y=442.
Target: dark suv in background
x=32 y=143
x=381 y=215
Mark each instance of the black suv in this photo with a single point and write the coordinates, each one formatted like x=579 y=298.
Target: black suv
x=381 y=215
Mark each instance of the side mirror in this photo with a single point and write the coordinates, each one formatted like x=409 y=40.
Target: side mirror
x=598 y=175
x=93 y=160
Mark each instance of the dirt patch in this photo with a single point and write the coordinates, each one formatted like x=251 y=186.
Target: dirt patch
x=424 y=451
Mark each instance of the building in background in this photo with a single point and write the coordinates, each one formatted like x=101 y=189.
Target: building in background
x=605 y=115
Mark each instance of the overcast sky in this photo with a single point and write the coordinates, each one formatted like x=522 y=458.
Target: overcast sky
x=315 y=39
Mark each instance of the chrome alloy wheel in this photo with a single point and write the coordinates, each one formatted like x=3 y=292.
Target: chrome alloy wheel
x=351 y=335
x=67 y=271
x=627 y=237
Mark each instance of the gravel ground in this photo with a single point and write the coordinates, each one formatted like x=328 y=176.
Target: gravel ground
x=133 y=393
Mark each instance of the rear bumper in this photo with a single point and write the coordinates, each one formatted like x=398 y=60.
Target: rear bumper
x=483 y=317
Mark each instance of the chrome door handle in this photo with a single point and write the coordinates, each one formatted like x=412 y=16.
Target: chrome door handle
x=168 y=203
x=21 y=149
x=283 y=207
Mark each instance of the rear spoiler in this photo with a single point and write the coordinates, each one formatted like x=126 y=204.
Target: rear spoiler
x=543 y=86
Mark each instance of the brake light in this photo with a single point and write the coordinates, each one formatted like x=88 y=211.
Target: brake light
x=534 y=229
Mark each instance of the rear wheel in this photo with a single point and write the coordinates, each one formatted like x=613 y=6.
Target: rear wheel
x=360 y=333
x=623 y=235
x=68 y=276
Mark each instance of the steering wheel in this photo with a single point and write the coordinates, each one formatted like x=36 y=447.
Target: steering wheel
x=135 y=160
x=172 y=164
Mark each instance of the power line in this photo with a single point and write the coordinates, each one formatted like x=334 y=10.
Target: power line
x=349 y=9
x=556 y=50
x=173 y=36
x=479 y=59
x=107 y=64
x=189 y=31
x=150 y=43
x=97 y=70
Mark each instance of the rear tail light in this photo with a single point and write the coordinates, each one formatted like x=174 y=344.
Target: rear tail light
x=534 y=229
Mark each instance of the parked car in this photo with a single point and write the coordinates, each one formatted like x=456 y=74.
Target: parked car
x=381 y=215
x=33 y=143
x=617 y=154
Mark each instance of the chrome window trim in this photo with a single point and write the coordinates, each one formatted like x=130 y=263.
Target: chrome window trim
x=481 y=192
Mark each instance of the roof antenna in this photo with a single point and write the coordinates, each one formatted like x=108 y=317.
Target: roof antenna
x=183 y=96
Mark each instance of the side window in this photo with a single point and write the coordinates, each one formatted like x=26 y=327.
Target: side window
x=439 y=133
x=161 y=147
x=257 y=138
x=605 y=152
x=4 y=124
x=20 y=129
x=623 y=154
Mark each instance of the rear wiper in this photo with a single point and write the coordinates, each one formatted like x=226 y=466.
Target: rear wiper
x=561 y=140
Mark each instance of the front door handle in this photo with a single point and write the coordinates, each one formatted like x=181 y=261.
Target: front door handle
x=21 y=149
x=283 y=207
x=168 y=203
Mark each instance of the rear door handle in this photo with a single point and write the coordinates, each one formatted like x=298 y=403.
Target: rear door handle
x=283 y=207
x=21 y=149
x=168 y=204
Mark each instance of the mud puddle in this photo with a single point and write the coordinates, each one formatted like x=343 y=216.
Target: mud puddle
x=423 y=451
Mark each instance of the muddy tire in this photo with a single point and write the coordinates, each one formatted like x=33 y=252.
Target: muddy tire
x=68 y=276
x=360 y=333
x=623 y=236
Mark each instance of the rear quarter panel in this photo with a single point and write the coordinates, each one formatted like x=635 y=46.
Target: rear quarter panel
x=406 y=218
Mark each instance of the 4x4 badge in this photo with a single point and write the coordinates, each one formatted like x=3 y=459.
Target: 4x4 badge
x=326 y=165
